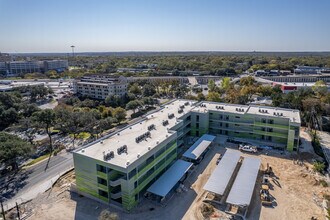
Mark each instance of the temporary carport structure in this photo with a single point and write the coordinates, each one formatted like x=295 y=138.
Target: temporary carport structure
x=198 y=148
x=242 y=190
x=170 y=178
x=220 y=177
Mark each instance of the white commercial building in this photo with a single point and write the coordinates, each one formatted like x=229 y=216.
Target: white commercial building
x=99 y=87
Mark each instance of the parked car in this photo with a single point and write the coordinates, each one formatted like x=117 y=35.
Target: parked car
x=248 y=148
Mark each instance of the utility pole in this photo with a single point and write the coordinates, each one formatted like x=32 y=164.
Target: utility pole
x=3 y=212
x=18 y=215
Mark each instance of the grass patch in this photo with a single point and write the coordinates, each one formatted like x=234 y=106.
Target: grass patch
x=82 y=135
x=42 y=157
x=38 y=159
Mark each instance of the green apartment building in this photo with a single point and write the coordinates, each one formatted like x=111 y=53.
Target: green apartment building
x=118 y=168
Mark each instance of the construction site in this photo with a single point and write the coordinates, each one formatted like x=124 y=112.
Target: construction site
x=270 y=184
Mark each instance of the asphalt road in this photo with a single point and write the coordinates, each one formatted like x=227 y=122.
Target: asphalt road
x=25 y=183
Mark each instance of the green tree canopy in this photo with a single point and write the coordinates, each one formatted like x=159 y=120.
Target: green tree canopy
x=13 y=148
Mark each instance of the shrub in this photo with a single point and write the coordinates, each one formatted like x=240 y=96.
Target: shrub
x=318 y=166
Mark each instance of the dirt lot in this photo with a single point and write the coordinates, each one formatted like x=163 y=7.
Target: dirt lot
x=298 y=195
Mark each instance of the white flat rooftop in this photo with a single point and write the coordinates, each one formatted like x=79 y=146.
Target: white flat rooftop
x=220 y=177
x=127 y=136
x=196 y=150
x=291 y=114
x=171 y=177
x=243 y=187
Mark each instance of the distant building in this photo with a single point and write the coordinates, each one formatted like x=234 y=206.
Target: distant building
x=100 y=87
x=5 y=57
x=57 y=65
x=290 y=87
x=303 y=78
x=23 y=67
x=311 y=70
x=19 y=68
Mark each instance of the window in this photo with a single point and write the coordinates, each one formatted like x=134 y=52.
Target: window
x=263 y=120
x=271 y=121
x=237 y=125
x=137 y=197
x=101 y=168
x=197 y=117
x=150 y=159
x=132 y=173
x=103 y=193
x=270 y=130
x=263 y=129
x=227 y=117
x=101 y=181
x=227 y=125
x=135 y=184
x=237 y=117
x=197 y=125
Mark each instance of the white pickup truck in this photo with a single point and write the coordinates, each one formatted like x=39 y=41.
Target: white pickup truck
x=247 y=148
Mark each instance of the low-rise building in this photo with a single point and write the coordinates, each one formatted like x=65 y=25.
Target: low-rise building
x=311 y=70
x=119 y=168
x=287 y=87
x=100 y=87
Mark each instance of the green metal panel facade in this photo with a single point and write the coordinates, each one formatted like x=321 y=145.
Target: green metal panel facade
x=126 y=186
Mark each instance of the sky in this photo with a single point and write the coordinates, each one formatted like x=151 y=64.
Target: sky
x=164 y=25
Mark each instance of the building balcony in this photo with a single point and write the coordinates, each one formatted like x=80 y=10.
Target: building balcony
x=284 y=127
x=117 y=182
x=115 y=195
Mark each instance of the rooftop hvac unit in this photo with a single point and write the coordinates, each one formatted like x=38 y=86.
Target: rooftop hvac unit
x=138 y=155
x=127 y=163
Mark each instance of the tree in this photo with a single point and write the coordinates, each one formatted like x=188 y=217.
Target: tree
x=225 y=83
x=200 y=97
x=135 y=89
x=119 y=113
x=46 y=119
x=213 y=97
x=13 y=148
x=277 y=96
x=133 y=105
x=104 y=124
x=38 y=92
x=148 y=90
x=320 y=88
x=113 y=100
x=247 y=81
x=211 y=85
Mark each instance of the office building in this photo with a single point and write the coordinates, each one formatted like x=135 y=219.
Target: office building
x=100 y=87
x=57 y=65
x=19 y=68
x=119 y=168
